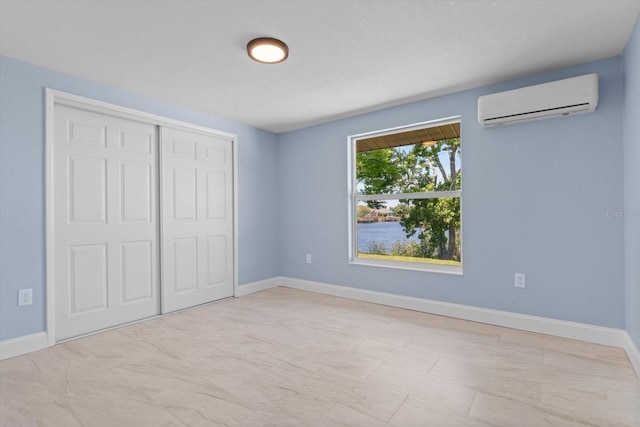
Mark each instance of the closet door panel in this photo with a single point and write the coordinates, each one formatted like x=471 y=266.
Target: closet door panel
x=197 y=218
x=105 y=221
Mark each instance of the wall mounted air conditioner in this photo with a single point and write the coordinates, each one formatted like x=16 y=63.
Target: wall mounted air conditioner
x=554 y=99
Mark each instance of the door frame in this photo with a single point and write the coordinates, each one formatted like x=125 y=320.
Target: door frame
x=53 y=97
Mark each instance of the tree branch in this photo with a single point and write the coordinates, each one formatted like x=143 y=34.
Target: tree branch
x=452 y=167
x=442 y=171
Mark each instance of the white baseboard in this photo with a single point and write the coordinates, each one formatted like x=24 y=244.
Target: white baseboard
x=261 y=285
x=561 y=328
x=542 y=325
x=21 y=345
x=633 y=352
x=28 y=343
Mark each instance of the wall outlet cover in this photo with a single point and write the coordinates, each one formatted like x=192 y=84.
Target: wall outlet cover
x=25 y=297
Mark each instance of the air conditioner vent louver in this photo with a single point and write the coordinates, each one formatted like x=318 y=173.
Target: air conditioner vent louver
x=555 y=99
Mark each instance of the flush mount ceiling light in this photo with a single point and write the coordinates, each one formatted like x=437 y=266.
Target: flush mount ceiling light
x=267 y=50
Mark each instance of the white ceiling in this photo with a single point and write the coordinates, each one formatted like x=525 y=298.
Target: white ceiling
x=346 y=57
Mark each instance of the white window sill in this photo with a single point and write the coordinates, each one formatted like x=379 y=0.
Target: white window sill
x=415 y=266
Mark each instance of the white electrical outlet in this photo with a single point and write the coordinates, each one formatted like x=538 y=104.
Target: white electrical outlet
x=25 y=296
x=308 y=258
x=520 y=281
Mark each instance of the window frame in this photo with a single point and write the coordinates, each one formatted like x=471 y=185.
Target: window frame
x=355 y=198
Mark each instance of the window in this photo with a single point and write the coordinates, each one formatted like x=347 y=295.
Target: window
x=405 y=188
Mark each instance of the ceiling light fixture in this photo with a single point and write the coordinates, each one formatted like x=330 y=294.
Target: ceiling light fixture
x=267 y=50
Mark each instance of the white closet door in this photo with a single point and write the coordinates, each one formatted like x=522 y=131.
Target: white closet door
x=197 y=218
x=105 y=221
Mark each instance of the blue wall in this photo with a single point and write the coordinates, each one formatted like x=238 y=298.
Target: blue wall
x=535 y=198
x=632 y=183
x=533 y=202
x=22 y=213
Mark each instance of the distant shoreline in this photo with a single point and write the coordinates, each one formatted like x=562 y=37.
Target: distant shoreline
x=374 y=220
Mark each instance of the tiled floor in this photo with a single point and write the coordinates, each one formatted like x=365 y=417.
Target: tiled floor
x=284 y=357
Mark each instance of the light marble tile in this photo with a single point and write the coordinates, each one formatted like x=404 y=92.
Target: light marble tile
x=622 y=411
x=17 y=366
x=376 y=330
x=312 y=337
x=413 y=317
x=419 y=329
x=351 y=363
x=98 y=411
x=397 y=355
x=496 y=341
x=625 y=390
x=426 y=387
x=567 y=346
x=466 y=326
x=580 y=365
x=330 y=387
x=494 y=381
x=418 y=413
x=39 y=409
x=505 y=412
x=344 y=416
x=244 y=403
x=284 y=357
x=474 y=352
